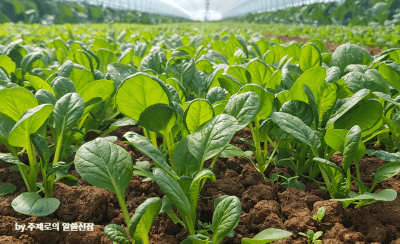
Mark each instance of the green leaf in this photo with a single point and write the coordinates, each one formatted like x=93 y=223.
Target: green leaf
x=143 y=219
x=173 y=190
x=29 y=59
x=195 y=188
x=106 y=57
x=125 y=121
x=216 y=94
x=244 y=107
x=119 y=72
x=310 y=57
x=335 y=139
x=80 y=76
x=390 y=157
x=181 y=68
x=16 y=101
x=126 y=56
x=139 y=91
x=390 y=75
x=158 y=118
x=231 y=151
x=350 y=149
x=266 y=99
x=39 y=83
x=101 y=163
x=6 y=189
x=117 y=234
x=83 y=58
x=239 y=73
x=98 y=88
x=154 y=61
x=42 y=147
x=267 y=236
x=225 y=218
x=29 y=123
x=313 y=78
x=386 y=171
x=298 y=109
x=6 y=125
x=259 y=72
x=183 y=159
x=230 y=83
x=296 y=128
x=67 y=112
x=62 y=86
x=211 y=138
x=327 y=98
x=142 y=144
x=347 y=54
x=43 y=96
x=30 y=203
x=198 y=112
x=8 y=65
x=371 y=80
x=386 y=195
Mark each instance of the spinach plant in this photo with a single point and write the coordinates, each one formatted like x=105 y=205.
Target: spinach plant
x=312 y=238
x=108 y=166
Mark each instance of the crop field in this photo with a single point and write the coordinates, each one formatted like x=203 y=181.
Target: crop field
x=200 y=133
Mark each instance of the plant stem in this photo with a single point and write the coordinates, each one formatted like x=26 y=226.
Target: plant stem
x=170 y=151
x=153 y=138
x=214 y=161
x=122 y=204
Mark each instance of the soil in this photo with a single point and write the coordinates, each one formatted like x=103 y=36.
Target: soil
x=264 y=205
x=330 y=45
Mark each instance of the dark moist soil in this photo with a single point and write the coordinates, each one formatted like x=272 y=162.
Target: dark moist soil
x=265 y=205
x=330 y=45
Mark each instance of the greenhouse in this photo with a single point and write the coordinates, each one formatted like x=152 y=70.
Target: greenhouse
x=199 y=121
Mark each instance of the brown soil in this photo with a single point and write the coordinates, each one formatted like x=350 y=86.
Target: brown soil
x=264 y=205
x=330 y=45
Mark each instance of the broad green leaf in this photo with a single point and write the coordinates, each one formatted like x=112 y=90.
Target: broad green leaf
x=98 y=88
x=181 y=68
x=138 y=92
x=266 y=99
x=30 y=203
x=387 y=171
x=216 y=94
x=63 y=86
x=102 y=164
x=351 y=142
x=6 y=125
x=67 y=112
x=310 y=57
x=143 y=219
x=173 y=191
x=80 y=76
x=29 y=59
x=267 y=236
x=226 y=217
x=154 y=61
x=39 y=83
x=327 y=98
x=269 y=57
x=371 y=80
x=275 y=80
x=29 y=123
x=6 y=189
x=44 y=96
x=119 y=72
x=313 y=78
x=296 y=128
x=244 y=107
x=211 y=138
x=300 y=110
x=348 y=105
x=42 y=147
x=142 y=144
x=231 y=151
x=125 y=121
x=183 y=159
x=348 y=54
x=106 y=57
x=335 y=139
x=386 y=195
x=259 y=72
x=15 y=101
x=390 y=157
x=239 y=73
x=126 y=56
x=83 y=58
x=158 y=118
x=117 y=233
x=197 y=113
x=313 y=104
x=390 y=75
x=7 y=64
x=358 y=115
x=229 y=83
x=195 y=188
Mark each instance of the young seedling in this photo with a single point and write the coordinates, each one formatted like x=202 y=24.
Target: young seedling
x=320 y=215
x=312 y=238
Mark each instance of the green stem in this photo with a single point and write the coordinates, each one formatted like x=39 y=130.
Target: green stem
x=329 y=156
x=153 y=138
x=214 y=161
x=255 y=134
x=24 y=177
x=170 y=151
x=146 y=133
x=124 y=209
x=357 y=164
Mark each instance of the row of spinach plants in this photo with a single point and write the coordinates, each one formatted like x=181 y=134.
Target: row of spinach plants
x=195 y=94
